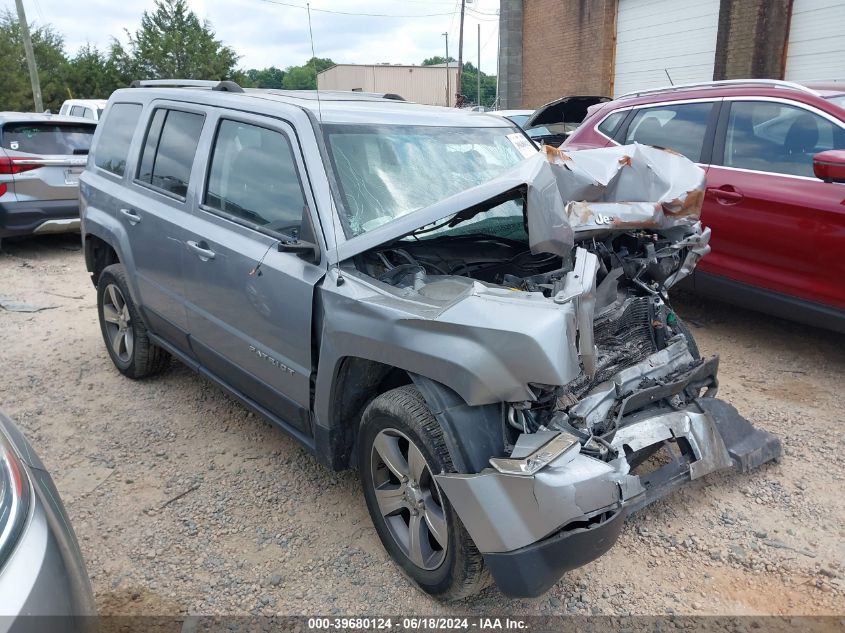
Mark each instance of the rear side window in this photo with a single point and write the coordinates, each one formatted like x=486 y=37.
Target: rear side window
x=113 y=147
x=169 y=150
x=680 y=127
x=253 y=177
x=611 y=123
x=48 y=138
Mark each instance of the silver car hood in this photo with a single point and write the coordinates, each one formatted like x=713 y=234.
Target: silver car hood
x=583 y=193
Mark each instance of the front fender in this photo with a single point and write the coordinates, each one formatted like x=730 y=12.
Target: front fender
x=488 y=345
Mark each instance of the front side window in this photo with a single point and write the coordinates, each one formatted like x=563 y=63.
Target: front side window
x=77 y=111
x=113 y=147
x=776 y=137
x=387 y=171
x=679 y=127
x=253 y=178
x=169 y=150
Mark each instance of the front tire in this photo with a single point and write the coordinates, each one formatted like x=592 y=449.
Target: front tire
x=124 y=333
x=400 y=449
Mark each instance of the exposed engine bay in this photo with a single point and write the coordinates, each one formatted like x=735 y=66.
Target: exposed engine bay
x=632 y=316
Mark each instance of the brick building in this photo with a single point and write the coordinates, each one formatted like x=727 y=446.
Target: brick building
x=551 y=48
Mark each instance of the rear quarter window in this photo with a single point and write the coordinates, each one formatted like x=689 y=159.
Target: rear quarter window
x=611 y=123
x=48 y=138
x=118 y=128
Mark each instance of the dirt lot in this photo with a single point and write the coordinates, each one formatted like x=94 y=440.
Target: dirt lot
x=184 y=502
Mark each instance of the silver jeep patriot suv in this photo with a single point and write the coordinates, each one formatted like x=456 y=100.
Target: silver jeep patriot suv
x=420 y=294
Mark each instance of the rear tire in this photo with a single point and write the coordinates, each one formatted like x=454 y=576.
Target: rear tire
x=400 y=438
x=124 y=333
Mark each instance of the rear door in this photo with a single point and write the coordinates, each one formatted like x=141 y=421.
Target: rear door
x=45 y=158
x=250 y=306
x=687 y=127
x=776 y=226
x=153 y=211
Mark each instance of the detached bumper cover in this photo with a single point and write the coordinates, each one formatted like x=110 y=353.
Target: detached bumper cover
x=532 y=529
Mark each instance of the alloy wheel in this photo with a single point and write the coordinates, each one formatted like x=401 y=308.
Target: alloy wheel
x=118 y=323
x=408 y=499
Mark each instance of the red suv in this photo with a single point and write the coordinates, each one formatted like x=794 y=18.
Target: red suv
x=775 y=199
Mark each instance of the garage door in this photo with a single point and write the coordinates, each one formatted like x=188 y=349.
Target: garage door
x=661 y=39
x=816 y=50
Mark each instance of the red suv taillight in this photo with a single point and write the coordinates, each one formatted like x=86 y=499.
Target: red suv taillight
x=11 y=165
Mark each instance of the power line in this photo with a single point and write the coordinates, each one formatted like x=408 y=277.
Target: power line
x=368 y=15
x=489 y=37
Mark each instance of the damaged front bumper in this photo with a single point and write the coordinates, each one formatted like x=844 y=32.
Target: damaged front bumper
x=533 y=526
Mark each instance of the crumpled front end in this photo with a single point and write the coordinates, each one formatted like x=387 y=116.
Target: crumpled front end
x=558 y=502
x=533 y=314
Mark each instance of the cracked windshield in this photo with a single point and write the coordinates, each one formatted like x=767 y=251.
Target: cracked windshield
x=387 y=171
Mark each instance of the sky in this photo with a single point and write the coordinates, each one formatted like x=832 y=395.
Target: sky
x=268 y=33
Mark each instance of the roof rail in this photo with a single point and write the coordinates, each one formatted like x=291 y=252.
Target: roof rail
x=223 y=86
x=773 y=83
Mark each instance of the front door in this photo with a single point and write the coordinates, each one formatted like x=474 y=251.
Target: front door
x=249 y=305
x=775 y=226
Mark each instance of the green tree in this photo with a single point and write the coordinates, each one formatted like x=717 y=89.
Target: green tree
x=271 y=77
x=305 y=77
x=469 y=86
x=437 y=59
x=91 y=74
x=50 y=59
x=173 y=43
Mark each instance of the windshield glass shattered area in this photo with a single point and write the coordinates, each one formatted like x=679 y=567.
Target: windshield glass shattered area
x=387 y=171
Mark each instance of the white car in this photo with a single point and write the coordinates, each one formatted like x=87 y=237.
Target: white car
x=86 y=108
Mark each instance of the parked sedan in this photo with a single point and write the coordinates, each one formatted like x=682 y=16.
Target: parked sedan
x=41 y=157
x=775 y=185
x=41 y=568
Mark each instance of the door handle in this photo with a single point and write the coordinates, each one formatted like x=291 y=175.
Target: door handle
x=727 y=194
x=201 y=250
x=131 y=215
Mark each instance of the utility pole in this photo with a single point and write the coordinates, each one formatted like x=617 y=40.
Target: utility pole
x=498 y=52
x=460 y=48
x=478 y=68
x=30 y=57
x=448 y=91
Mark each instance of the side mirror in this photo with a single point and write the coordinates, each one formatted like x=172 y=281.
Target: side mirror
x=304 y=244
x=298 y=246
x=830 y=165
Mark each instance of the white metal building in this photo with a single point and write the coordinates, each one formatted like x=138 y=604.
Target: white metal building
x=816 y=48
x=420 y=84
x=659 y=42
x=552 y=48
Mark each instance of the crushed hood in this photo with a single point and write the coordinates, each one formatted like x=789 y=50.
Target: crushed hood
x=568 y=193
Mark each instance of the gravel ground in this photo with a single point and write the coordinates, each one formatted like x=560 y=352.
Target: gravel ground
x=185 y=502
